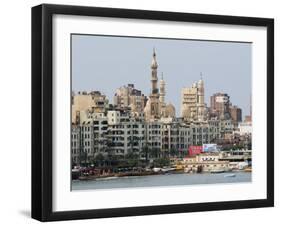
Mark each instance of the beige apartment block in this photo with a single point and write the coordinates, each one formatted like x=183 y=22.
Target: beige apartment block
x=92 y=102
x=192 y=102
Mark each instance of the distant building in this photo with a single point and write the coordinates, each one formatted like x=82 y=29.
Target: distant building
x=236 y=114
x=154 y=137
x=89 y=137
x=126 y=134
x=75 y=144
x=245 y=128
x=175 y=136
x=205 y=162
x=129 y=97
x=204 y=133
x=192 y=102
x=219 y=106
x=248 y=118
x=93 y=102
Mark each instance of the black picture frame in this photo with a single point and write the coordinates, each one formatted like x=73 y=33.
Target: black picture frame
x=42 y=108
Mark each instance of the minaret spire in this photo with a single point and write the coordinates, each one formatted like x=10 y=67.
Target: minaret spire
x=154 y=78
x=153 y=109
x=154 y=64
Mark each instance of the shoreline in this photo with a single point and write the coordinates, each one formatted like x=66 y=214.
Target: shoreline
x=142 y=174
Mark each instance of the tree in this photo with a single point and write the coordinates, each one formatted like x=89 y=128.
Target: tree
x=173 y=152
x=145 y=151
x=99 y=159
x=131 y=160
x=154 y=152
x=161 y=162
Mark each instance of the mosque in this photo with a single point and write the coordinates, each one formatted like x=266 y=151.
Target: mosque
x=156 y=106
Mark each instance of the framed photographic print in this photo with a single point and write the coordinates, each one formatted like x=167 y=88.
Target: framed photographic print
x=145 y=112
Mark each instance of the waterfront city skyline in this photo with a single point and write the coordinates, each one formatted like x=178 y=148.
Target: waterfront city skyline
x=105 y=63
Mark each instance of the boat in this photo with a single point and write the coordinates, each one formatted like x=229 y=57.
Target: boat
x=248 y=170
x=167 y=169
x=156 y=170
x=107 y=178
x=230 y=175
x=75 y=173
x=217 y=171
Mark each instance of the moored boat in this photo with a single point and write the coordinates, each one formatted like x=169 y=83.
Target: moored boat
x=230 y=175
x=75 y=173
x=167 y=169
x=156 y=169
x=217 y=171
x=248 y=170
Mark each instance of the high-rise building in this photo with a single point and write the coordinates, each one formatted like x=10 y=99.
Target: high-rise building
x=93 y=102
x=220 y=103
x=125 y=134
x=236 y=114
x=89 y=137
x=129 y=97
x=192 y=102
x=175 y=136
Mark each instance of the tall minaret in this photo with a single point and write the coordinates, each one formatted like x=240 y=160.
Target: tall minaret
x=154 y=78
x=153 y=107
x=201 y=102
x=162 y=91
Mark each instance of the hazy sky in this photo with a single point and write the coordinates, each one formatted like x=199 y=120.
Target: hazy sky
x=106 y=63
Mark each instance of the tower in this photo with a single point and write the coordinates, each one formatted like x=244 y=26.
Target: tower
x=153 y=107
x=201 y=102
x=162 y=91
x=154 y=78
